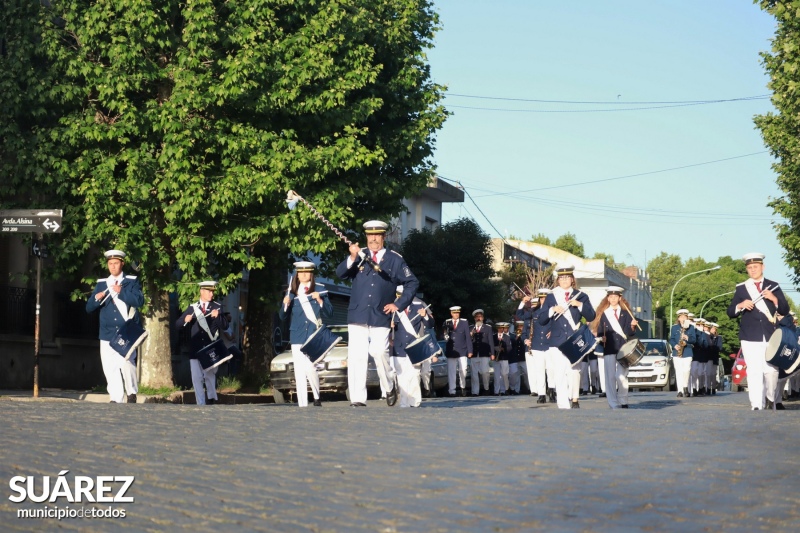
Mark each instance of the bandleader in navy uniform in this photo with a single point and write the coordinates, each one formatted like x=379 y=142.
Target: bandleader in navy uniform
x=562 y=301
x=208 y=322
x=756 y=302
x=375 y=273
x=116 y=296
x=457 y=350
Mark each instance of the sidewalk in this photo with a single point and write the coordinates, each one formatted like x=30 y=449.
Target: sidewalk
x=179 y=397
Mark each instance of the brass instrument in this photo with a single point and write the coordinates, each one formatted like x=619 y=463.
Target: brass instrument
x=684 y=340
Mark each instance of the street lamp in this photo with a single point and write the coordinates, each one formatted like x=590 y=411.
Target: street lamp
x=669 y=318
x=713 y=298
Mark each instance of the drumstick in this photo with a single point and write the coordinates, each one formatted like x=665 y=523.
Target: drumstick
x=631 y=313
x=577 y=293
x=761 y=294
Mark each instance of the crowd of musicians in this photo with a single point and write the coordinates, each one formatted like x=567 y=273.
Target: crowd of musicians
x=557 y=347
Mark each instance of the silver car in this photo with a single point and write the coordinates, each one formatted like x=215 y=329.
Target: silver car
x=655 y=370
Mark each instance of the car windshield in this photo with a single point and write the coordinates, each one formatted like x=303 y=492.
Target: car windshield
x=655 y=348
x=340 y=331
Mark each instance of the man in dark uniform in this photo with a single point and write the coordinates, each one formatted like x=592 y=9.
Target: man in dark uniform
x=756 y=301
x=457 y=350
x=700 y=358
x=500 y=365
x=117 y=297
x=483 y=349
x=208 y=322
x=375 y=273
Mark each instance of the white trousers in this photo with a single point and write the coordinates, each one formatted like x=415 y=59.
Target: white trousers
x=762 y=378
x=479 y=373
x=537 y=372
x=500 y=376
x=601 y=371
x=698 y=375
x=304 y=370
x=711 y=376
x=617 y=381
x=523 y=371
x=456 y=366
x=594 y=379
x=120 y=374
x=425 y=373
x=584 y=369
x=567 y=380
x=552 y=361
x=683 y=370
x=407 y=382
x=365 y=341
x=198 y=377
x=514 y=377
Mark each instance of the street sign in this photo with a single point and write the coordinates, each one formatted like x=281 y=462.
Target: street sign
x=31 y=220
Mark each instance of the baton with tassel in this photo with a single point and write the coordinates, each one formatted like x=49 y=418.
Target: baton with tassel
x=291 y=200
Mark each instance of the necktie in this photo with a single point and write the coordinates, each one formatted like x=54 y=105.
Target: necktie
x=305 y=289
x=204 y=308
x=407 y=311
x=566 y=296
x=455 y=324
x=615 y=314
x=375 y=256
x=758 y=286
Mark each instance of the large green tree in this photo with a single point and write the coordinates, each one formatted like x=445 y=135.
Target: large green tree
x=781 y=129
x=177 y=128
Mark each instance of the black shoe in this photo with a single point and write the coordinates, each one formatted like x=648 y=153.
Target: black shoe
x=391 y=396
x=713 y=392
x=624 y=406
x=131 y=398
x=534 y=394
x=575 y=405
x=541 y=399
x=779 y=407
x=784 y=396
x=582 y=393
x=601 y=395
x=317 y=403
x=513 y=393
x=463 y=393
x=680 y=395
x=358 y=404
x=211 y=401
x=769 y=404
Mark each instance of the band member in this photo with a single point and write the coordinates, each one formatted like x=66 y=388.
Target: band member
x=517 y=356
x=756 y=302
x=208 y=322
x=408 y=325
x=483 y=349
x=614 y=325
x=601 y=363
x=375 y=273
x=715 y=348
x=794 y=381
x=457 y=350
x=682 y=337
x=700 y=356
x=563 y=309
x=501 y=361
x=117 y=297
x=306 y=303
x=536 y=339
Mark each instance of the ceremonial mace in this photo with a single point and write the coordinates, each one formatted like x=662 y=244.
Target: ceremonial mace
x=291 y=200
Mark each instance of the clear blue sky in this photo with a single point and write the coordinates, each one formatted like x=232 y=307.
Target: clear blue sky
x=621 y=52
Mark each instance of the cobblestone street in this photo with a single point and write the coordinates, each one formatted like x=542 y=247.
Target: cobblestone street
x=474 y=464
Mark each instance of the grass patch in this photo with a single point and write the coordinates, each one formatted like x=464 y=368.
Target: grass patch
x=228 y=384
x=162 y=392
x=265 y=389
x=100 y=389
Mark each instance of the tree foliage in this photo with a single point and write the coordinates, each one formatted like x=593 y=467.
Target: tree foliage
x=454 y=267
x=781 y=130
x=541 y=238
x=174 y=129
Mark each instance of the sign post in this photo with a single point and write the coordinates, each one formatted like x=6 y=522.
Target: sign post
x=37 y=221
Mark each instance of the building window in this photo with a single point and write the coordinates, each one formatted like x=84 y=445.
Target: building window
x=431 y=224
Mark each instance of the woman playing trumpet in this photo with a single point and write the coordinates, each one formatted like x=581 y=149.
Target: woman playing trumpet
x=614 y=324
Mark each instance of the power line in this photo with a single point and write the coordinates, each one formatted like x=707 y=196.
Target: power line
x=617 y=102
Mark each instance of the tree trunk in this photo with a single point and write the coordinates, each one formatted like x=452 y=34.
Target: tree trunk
x=264 y=296
x=156 y=352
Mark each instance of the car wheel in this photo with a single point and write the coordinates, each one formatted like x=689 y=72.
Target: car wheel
x=278 y=395
x=673 y=383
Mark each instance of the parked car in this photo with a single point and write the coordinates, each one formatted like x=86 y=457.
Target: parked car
x=655 y=370
x=332 y=372
x=738 y=372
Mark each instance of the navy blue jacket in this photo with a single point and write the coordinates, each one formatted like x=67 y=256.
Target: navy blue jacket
x=517 y=349
x=701 y=347
x=482 y=341
x=403 y=338
x=504 y=342
x=459 y=341
x=300 y=327
x=614 y=341
x=754 y=326
x=539 y=341
x=373 y=290
x=560 y=329
x=715 y=347
x=110 y=318
x=199 y=338
x=675 y=337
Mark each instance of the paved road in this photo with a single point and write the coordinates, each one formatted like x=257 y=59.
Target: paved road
x=467 y=464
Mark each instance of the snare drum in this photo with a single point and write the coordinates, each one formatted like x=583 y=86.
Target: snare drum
x=213 y=355
x=631 y=353
x=578 y=345
x=422 y=349
x=319 y=344
x=783 y=351
x=128 y=338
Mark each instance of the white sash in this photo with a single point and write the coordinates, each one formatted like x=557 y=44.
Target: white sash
x=122 y=307
x=615 y=325
x=403 y=317
x=201 y=320
x=761 y=305
x=568 y=313
x=305 y=303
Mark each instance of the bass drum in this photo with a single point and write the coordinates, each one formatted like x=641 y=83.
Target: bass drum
x=783 y=351
x=579 y=344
